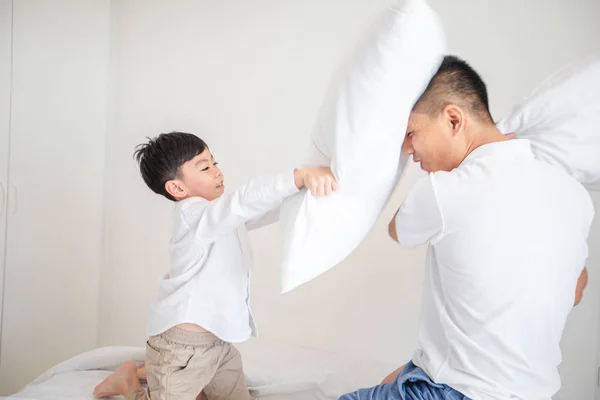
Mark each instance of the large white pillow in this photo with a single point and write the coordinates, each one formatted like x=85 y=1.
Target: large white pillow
x=562 y=121
x=359 y=133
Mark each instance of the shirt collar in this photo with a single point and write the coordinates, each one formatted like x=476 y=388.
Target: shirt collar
x=515 y=148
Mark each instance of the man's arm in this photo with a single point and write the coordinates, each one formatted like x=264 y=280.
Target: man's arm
x=392 y=377
x=392 y=229
x=419 y=219
x=581 y=284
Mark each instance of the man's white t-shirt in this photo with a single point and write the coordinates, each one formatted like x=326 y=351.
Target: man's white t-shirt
x=507 y=241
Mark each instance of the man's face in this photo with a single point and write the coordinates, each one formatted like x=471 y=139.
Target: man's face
x=432 y=141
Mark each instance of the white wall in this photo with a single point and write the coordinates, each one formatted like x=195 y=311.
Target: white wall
x=249 y=77
x=5 y=72
x=53 y=243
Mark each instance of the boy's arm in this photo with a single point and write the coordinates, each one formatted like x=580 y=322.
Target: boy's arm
x=269 y=218
x=319 y=180
x=209 y=220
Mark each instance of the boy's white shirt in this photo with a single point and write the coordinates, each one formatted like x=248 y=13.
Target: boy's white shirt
x=209 y=279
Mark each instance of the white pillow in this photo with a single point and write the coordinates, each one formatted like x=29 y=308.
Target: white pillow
x=562 y=121
x=360 y=133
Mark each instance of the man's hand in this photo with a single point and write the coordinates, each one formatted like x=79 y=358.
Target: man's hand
x=319 y=180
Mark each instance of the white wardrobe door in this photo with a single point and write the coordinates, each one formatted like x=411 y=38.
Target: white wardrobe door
x=58 y=127
x=5 y=68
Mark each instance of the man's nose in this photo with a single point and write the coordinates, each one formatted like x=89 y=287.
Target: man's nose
x=407 y=147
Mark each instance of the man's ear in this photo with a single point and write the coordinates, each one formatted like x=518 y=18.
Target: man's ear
x=455 y=118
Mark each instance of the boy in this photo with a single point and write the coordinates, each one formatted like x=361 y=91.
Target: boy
x=203 y=303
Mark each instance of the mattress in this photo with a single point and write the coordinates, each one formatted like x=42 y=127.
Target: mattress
x=273 y=371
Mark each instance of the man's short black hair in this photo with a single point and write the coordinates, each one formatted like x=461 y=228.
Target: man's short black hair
x=161 y=157
x=456 y=82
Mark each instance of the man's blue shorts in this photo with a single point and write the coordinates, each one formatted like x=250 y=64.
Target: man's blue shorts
x=411 y=384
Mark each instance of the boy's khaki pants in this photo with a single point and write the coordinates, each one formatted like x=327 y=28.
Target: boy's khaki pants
x=181 y=364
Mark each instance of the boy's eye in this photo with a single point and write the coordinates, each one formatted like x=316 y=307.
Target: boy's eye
x=207 y=168
x=409 y=134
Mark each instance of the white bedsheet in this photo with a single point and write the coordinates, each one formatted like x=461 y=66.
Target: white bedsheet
x=273 y=371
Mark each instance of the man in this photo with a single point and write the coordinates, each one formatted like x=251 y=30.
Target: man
x=507 y=239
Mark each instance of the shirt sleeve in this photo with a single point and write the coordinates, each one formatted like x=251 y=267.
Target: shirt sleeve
x=419 y=219
x=209 y=220
x=270 y=217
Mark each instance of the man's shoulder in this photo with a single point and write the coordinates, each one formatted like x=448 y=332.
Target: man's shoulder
x=447 y=182
x=458 y=188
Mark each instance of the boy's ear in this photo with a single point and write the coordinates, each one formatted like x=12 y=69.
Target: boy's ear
x=176 y=188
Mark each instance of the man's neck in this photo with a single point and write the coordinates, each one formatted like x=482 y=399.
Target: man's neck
x=485 y=135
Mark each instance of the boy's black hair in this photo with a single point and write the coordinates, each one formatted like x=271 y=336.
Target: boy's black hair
x=161 y=157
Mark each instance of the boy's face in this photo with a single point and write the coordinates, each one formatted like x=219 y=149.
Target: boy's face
x=199 y=177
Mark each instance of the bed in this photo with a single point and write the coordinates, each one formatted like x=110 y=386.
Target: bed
x=273 y=371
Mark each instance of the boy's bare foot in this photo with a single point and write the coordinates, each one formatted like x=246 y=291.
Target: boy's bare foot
x=123 y=381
